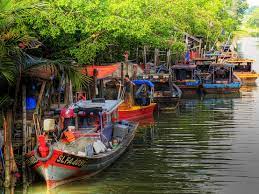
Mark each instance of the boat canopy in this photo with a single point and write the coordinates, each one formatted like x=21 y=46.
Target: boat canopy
x=103 y=71
x=187 y=67
x=203 y=59
x=108 y=106
x=222 y=65
x=238 y=61
x=141 y=82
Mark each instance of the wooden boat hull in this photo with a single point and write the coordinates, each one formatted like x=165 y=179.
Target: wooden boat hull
x=190 y=90
x=63 y=167
x=135 y=112
x=166 y=99
x=221 y=88
x=247 y=78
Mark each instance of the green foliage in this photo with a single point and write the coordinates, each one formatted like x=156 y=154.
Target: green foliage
x=83 y=30
x=253 y=20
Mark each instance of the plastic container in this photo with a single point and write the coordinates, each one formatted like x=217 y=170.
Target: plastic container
x=30 y=103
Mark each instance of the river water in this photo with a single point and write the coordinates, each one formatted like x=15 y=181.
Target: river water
x=207 y=146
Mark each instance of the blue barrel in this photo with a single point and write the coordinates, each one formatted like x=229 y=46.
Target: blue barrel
x=30 y=103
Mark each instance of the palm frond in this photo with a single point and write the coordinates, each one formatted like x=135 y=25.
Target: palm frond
x=7 y=69
x=4 y=100
x=45 y=68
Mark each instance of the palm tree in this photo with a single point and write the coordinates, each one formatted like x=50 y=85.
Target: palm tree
x=16 y=65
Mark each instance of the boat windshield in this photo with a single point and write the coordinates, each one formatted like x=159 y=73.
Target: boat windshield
x=183 y=74
x=89 y=121
x=162 y=86
x=243 y=67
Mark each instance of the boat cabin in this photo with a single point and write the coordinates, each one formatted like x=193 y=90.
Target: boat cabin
x=144 y=92
x=90 y=114
x=184 y=72
x=164 y=88
x=220 y=74
x=241 y=65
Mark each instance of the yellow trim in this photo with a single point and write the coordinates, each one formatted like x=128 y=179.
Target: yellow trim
x=124 y=107
x=246 y=75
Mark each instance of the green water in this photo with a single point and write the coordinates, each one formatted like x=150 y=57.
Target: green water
x=207 y=146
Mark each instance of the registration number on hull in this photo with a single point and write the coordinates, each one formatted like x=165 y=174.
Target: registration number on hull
x=71 y=160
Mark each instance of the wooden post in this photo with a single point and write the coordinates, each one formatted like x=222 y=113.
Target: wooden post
x=40 y=96
x=145 y=58
x=66 y=92
x=70 y=94
x=137 y=59
x=122 y=73
x=7 y=149
x=230 y=75
x=59 y=92
x=156 y=57
x=101 y=92
x=95 y=74
x=24 y=138
x=186 y=42
x=200 y=54
x=168 y=58
x=213 y=74
x=126 y=55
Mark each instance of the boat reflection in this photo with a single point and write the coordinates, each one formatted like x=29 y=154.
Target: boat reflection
x=145 y=121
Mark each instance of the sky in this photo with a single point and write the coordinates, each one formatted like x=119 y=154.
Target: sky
x=253 y=2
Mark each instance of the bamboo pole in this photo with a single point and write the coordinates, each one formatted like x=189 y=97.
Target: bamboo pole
x=24 y=137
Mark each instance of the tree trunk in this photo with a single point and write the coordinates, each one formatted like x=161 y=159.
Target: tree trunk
x=24 y=134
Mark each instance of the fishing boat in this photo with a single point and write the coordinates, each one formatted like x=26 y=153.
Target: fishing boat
x=166 y=93
x=185 y=77
x=243 y=69
x=142 y=105
x=227 y=51
x=88 y=141
x=221 y=80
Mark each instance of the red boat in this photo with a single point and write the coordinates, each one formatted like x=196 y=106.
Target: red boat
x=83 y=149
x=142 y=106
x=136 y=112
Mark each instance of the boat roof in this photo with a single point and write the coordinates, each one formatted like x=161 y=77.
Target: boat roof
x=241 y=61
x=222 y=65
x=183 y=66
x=140 y=82
x=108 y=106
x=204 y=59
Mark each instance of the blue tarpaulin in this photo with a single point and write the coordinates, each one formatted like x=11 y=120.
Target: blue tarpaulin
x=147 y=82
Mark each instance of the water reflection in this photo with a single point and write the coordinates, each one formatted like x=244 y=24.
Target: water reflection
x=200 y=149
x=209 y=145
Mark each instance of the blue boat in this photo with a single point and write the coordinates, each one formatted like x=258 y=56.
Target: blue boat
x=221 y=80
